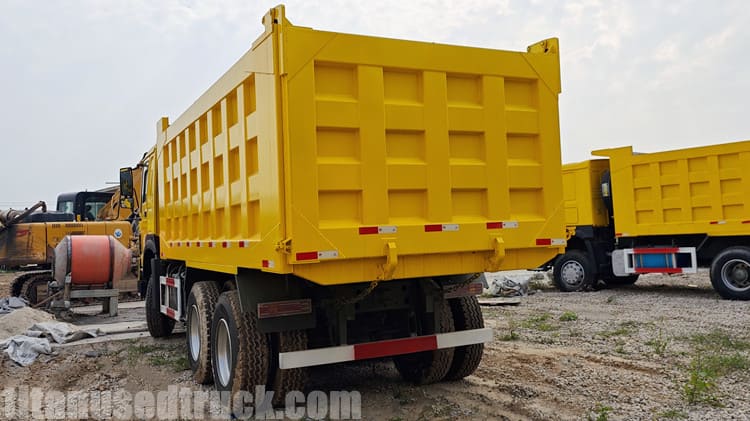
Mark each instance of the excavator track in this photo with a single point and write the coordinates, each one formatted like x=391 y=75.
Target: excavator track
x=18 y=286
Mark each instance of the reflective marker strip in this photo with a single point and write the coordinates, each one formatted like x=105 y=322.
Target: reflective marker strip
x=170 y=312
x=307 y=255
x=169 y=282
x=550 y=242
x=225 y=244
x=317 y=255
x=663 y=250
x=328 y=254
x=385 y=229
x=722 y=222
x=440 y=227
x=312 y=357
x=268 y=264
x=502 y=224
x=243 y=244
x=658 y=270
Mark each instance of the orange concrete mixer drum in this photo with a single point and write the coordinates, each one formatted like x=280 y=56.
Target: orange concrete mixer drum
x=91 y=260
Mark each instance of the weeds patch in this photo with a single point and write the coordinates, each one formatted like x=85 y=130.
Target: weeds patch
x=568 y=316
x=540 y=322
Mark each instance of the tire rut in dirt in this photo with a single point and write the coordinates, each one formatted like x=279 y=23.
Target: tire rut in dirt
x=249 y=352
x=429 y=366
x=158 y=324
x=203 y=296
x=467 y=314
x=285 y=381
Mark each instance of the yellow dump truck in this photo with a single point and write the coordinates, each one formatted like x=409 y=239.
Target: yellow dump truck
x=664 y=212
x=334 y=197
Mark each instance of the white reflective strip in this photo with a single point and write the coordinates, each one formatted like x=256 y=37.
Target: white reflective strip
x=313 y=357
x=328 y=254
x=558 y=242
x=450 y=227
x=387 y=229
x=464 y=337
x=337 y=354
x=510 y=224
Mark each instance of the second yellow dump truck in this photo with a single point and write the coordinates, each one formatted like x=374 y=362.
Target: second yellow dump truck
x=665 y=212
x=334 y=197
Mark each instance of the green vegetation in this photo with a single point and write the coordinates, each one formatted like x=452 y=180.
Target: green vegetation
x=568 y=316
x=671 y=414
x=715 y=354
x=540 y=322
x=659 y=344
x=599 y=413
x=625 y=328
x=512 y=334
x=157 y=355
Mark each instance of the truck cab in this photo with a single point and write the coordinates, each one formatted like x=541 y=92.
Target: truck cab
x=84 y=205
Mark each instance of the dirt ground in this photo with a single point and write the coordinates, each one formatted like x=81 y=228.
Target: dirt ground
x=665 y=348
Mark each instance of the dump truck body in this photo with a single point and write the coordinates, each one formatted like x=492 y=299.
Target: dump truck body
x=341 y=193
x=696 y=190
x=308 y=157
x=667 y=212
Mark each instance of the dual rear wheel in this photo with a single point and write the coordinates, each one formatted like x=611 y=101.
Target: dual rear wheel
x=226 y=347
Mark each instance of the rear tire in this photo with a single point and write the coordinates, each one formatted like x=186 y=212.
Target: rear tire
x=429 y=366
x=730 y=273
x=285 y=381
x=159 y=325
x=573 y=271
x=467 y=315
x=239 y=352
x=200 y=310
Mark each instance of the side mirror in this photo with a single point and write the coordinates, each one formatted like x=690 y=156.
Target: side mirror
x=126 y=183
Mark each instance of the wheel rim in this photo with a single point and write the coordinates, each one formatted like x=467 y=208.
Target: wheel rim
x=194 y=333
x=736 y=275
x=223 y=353
x=572 y=273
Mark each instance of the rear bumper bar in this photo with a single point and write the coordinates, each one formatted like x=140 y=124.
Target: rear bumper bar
x=380 y=349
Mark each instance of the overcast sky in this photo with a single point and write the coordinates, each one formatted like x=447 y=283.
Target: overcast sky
x=83 y=82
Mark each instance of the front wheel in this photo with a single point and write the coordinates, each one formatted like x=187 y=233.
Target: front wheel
x=730 y=273
x=573 y=271
x=159 y=325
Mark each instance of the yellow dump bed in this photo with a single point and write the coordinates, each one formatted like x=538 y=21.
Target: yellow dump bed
x=582 y=193
x=344 y=158
x=704 y=190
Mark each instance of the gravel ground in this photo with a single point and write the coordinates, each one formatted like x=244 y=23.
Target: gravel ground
x=636 y=353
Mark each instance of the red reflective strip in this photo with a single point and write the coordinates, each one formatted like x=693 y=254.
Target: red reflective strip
x=284 y=308
x=494 y=225
x=746 y=222
x=394 y=347
x=170 y=282
x=170 y=312
x=658 y=270
x=307 y=255
x=433 y=228
x=187 y=244
x=264 y=263
x=656 y=250
x=225 y=244
x=368 y=230
x=242 y=244
x=714 y=222
x=543 y=241
x=618 y=234
x=210 y=244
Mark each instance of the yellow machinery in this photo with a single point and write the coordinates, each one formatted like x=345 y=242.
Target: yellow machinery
x=29 y=237
x=664 y=212
x=334 y=197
